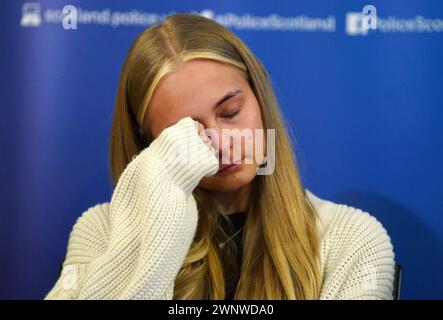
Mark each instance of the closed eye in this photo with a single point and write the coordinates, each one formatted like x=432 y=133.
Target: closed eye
x=231 y=115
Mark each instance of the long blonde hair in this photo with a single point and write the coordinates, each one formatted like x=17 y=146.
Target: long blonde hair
x=281 y=247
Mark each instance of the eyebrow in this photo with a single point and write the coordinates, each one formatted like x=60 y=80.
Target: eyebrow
x=227 y=96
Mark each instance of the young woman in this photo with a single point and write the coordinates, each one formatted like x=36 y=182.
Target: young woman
x=207 y=229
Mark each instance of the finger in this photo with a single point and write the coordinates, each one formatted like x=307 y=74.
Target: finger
x=202 y=133
x=200 y=127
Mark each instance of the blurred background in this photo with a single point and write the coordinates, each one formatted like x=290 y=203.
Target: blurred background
x=365 y=109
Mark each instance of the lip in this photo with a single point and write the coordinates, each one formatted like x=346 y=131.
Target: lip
x=232 y=165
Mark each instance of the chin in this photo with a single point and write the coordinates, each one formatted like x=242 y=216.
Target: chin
x=230 y=182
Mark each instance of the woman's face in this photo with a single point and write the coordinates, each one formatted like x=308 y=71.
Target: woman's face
x=195 y=89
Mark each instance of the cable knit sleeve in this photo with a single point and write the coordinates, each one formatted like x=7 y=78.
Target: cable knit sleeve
x=357 y=257
x=370 y=275
x=133 y=247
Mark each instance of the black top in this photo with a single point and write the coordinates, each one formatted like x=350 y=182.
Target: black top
x=238 y=220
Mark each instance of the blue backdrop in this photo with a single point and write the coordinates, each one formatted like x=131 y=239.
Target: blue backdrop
x=366 y=111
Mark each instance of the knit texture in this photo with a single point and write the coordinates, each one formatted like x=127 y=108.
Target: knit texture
x=133 y=246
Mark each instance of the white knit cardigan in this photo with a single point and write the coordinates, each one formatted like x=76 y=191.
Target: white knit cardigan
x=133 y=246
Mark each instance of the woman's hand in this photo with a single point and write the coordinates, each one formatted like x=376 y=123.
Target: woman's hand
x=202 y=133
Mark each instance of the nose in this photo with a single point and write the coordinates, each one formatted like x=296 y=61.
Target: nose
x=225 y=143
